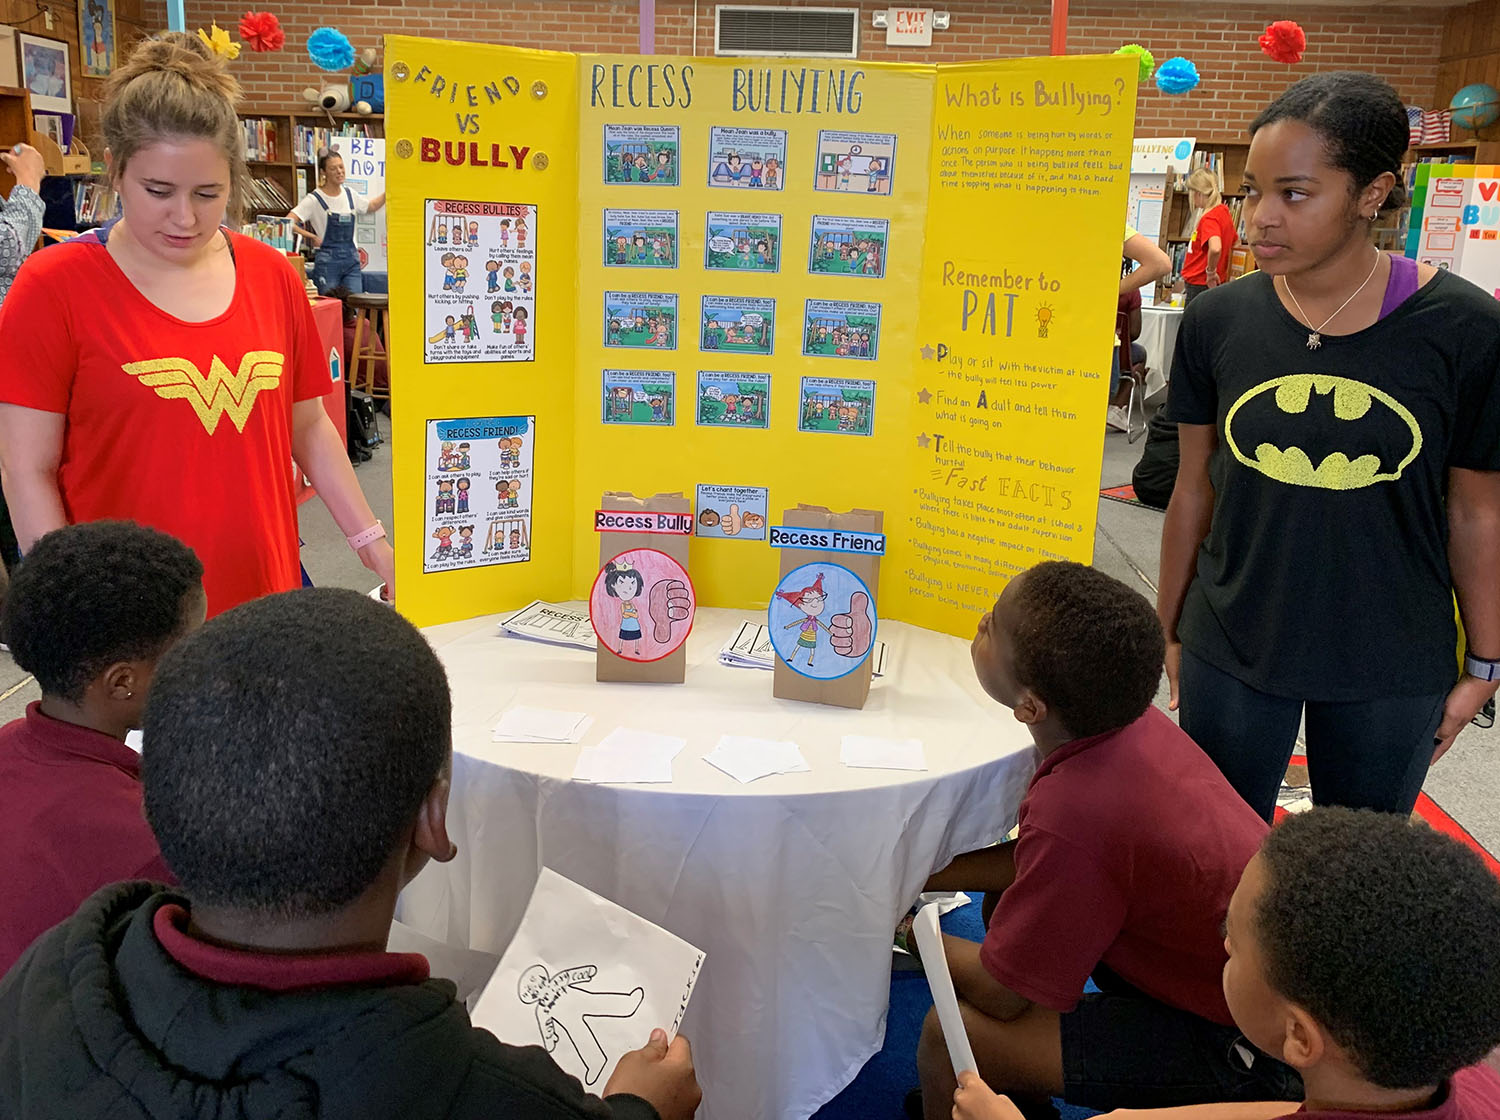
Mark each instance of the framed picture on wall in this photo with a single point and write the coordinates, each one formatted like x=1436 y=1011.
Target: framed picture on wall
x=96 y=37
x=44 y=71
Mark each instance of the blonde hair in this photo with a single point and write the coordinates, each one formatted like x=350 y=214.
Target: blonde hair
x=172 y=87
x=1206 y=183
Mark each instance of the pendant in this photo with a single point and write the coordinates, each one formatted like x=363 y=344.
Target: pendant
x=1314 y=341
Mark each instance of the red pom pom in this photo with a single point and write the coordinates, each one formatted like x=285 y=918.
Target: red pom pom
x=261 y=31
x=1284 y=41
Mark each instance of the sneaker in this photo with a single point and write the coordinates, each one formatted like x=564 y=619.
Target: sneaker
x=1117 y=418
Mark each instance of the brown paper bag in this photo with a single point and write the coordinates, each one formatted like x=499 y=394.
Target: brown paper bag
x=852 y=690
x=609 y=665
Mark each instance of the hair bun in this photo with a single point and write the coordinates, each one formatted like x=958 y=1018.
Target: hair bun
x=179 y=54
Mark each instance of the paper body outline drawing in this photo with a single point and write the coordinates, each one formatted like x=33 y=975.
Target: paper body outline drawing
x=795 y=617
x=591 y=942
x=617 y=614
x=562 y=1010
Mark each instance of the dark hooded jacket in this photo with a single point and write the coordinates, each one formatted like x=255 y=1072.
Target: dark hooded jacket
x=98 y=1021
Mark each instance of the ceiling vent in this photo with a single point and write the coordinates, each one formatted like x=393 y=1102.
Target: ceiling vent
x=786 y=32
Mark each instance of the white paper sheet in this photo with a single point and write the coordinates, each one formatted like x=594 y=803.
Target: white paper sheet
x=745 y=758
x=557 y=624
x=522 y=724
x=882 y=754
x=749 y=647
x=626 y=756
x=588 y=980
x=944 y=998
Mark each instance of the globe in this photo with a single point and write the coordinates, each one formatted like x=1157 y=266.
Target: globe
x=1476 y=106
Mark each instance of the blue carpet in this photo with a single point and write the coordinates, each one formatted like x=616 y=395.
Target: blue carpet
x=881 y=1087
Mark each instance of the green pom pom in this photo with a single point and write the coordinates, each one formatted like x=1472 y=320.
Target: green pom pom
x=1143 y=57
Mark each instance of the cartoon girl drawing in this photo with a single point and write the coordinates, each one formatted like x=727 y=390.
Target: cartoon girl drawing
x=520 y=233
x=663 y=172
x=466 y=541
x=463 y=495
x=504 y=232
x=518 y=328
x=773 y=169
x=810 y=601
x=624 y=583
x=473 y=235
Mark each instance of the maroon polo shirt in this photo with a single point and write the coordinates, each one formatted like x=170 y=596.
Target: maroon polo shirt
x=1473 y=1094
x=1130 y=845
x=281 y=972
x=70 y=822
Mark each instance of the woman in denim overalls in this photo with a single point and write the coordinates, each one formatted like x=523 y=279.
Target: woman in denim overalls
x=335 y=259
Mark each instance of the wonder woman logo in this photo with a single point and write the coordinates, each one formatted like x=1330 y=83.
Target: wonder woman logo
x=218 y=393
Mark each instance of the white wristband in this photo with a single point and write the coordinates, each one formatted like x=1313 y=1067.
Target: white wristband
x=366 y=536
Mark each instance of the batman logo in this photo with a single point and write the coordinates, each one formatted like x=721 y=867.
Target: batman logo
x=1331 y=433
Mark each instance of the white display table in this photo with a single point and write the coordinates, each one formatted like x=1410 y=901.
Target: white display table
x=1159 y=326
x=792 y=885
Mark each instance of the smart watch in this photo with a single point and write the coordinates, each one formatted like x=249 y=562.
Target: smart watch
x=1483 y=670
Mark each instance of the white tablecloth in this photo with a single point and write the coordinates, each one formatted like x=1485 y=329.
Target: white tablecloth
x=791 y=885
x=1159 y=327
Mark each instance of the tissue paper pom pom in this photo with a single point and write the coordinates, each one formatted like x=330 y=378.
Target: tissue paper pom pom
x=261 y=31
x=219 y=42
x=330 y=49
x=1284 y=41
x=1143 y=57
x=1176 y=75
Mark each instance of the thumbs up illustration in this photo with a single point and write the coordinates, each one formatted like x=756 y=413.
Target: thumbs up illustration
x=851 y=632
x=731 y=522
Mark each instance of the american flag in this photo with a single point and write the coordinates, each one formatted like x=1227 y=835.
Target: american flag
x=1414 y=126
x=1435 y=124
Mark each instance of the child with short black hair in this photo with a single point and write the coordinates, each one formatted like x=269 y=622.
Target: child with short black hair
x=1362 y=951
x=297 y=780
x=1130 y=845
x=91 y=608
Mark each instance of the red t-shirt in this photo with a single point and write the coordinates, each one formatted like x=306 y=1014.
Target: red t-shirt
x=1473 y=1094
x=1130 y=845
x=70 y=823
x=1216 y=222
x=185 y=427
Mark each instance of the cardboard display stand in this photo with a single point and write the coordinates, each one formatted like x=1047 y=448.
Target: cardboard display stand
x=852 y=689
x=672 y=668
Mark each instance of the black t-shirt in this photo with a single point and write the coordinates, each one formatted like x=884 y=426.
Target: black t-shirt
x=1325 y=573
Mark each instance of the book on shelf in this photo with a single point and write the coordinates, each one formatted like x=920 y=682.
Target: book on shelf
x=266 y=194
x=309 y=141
x=273 y=229
x=262 y=139
x=94 y=203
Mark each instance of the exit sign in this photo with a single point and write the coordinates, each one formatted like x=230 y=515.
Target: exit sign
x=908 y=27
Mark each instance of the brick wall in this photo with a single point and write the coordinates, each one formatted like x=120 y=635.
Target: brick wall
x=1400 y=44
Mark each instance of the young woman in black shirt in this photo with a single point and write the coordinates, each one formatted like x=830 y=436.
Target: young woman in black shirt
x=1339 y=420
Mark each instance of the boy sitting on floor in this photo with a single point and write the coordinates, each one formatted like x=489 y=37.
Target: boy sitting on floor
x=90 y=610
x=296 y=774
x=1363 y=952
x=1130 y=844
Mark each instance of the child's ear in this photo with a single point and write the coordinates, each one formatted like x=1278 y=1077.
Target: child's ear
x=1304 y=1042
x=1030 y=708
x=120 y=681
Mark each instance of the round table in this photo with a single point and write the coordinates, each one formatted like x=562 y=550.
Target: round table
x=791 y=885
x=1159 y=326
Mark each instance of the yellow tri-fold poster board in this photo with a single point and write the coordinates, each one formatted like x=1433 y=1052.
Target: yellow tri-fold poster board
x=759 y=282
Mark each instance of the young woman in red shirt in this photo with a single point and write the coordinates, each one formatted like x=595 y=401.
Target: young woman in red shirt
x=1207 y=262
x=165 y=370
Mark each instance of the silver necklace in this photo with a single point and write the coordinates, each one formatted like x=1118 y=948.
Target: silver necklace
x=1315 y=336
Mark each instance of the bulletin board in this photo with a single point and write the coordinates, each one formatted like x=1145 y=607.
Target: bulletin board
x=1455 y=221
x=757 y=283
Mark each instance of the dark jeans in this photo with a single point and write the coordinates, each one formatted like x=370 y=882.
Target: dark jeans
x=1191 y=292
x=1365 y=754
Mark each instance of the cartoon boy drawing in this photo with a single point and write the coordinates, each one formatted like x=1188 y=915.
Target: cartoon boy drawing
x=525 y=280
x=498 y=313
x=473 y=235
x=448 y=330
x=622 y=250
x=510 y=279
x=446 y=260
x=492 y=281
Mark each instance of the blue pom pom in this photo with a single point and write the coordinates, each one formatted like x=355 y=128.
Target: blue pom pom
x=1176 y=75
x=330 y=49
